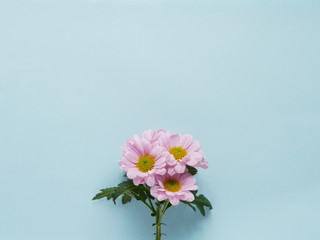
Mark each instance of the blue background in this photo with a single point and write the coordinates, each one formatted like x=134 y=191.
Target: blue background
x=79 y=77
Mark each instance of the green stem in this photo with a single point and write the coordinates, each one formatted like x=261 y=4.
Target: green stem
x=159 y=214
x=165 y=208
x=154 y=210
x=158 y=221
x=151 y=208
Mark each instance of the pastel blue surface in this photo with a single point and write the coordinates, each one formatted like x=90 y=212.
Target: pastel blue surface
x=79 y=77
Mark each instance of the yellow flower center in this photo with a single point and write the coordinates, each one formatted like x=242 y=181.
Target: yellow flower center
x=145 y=163
x=178 y=152
x=172 y=185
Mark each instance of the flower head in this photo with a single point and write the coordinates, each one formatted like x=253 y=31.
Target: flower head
x=143 y=160
x=174 y=188
x=183 y=151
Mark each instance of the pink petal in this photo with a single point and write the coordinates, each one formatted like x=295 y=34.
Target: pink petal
x=132 y=173
x=161 y=165
x=137 y=146
x=174 y=140
x=203 y=164
x=172 y=161
x=127 y=163
x=191 y=162
x=164 y=142
x=132 y=156
x=161 y=161
x=185 y=141
x=161 y=171
x=180 y=168
x=148 y=134
x=162 y=196
x=170 y=193
x=125 y=168
x=195 y=145
x=156 y=152
x=150 y=181
x=154 y=191
x=187 y=196
x=141 y=174
x=187 y=179
x=174 y=200
x=176 y=177
x=190 y=187
x=162 y=190
x=197 y=155
x=160 y=183
x=146 y=146
x=138 y=180
x=171 y=171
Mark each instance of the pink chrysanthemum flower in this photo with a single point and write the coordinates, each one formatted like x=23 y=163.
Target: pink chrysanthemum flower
x=183 y=151
x=174 y=188
x=143 y=160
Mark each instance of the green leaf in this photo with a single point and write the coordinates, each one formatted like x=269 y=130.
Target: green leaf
x=192 y=170
x=154 y=224
x=108 y=192
x=126 y=184
x=126 y=188
x=126 y=198
x=201 y=209
x=201 y=201
x=123 y=188
x=139 y=193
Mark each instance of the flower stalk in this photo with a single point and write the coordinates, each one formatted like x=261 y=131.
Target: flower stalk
x=159 y=214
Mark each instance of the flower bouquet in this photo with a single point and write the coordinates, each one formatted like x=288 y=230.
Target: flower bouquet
x=160 y=168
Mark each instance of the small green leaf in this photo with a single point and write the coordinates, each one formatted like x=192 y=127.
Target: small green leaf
x=192 y=170
x=139 y=192
x=126 y=198
x=108 y=192
x=127 y=187
x=126 y=184
x=154 y=224
x=201 y=209
x=124 y=187
x=201 y=201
